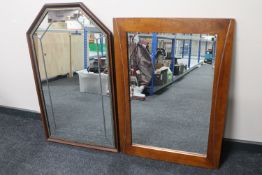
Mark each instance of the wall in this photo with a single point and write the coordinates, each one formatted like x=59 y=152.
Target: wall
x=57 y=62
x=245 y=102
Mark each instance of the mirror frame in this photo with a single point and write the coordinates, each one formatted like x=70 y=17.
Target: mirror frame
x=224 y=28
x=37 y=79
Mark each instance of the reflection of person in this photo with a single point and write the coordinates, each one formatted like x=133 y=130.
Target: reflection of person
x=140 y=60
x=140 y=64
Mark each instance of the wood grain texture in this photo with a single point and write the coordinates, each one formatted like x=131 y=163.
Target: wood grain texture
x=36 y=71
x=224 y=28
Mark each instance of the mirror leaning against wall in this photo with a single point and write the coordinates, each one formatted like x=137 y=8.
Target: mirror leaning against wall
x=72 y=55
x=172 y=94
x=171 y=78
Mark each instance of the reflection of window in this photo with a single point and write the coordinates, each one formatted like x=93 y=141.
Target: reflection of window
x=185 y=45
x=186 y=50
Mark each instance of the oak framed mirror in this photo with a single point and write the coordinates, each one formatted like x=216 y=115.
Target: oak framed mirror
x=72 y=61
x=172 y=78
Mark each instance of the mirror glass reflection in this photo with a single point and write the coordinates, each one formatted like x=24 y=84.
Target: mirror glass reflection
x=73 y=64
x=171 y=79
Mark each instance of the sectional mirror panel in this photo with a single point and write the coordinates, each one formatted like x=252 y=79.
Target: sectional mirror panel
x=73 y=65
x=171 y=79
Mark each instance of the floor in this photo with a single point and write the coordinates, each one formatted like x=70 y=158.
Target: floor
x=24 y=151
x=178 y=118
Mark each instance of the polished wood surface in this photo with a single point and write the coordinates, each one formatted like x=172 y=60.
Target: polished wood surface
x=224 y=28
x=35 y=67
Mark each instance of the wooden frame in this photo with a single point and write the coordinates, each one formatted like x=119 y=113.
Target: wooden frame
x=35 y=68
x=224 y=28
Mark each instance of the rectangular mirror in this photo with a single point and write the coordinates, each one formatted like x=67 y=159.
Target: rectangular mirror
x=72 y=59
x=173 y=79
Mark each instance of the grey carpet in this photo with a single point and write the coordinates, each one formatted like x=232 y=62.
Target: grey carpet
x=178 y=118
x=24 y=151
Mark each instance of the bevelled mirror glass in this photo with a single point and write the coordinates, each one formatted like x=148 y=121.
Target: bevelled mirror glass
x=72 y=59
x=173 y=84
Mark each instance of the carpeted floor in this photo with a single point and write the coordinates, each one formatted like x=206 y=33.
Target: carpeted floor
x=178 y=118
x=24 y=151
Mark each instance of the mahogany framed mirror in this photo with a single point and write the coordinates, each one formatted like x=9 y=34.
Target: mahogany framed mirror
x=72 y=61
x=172 y=78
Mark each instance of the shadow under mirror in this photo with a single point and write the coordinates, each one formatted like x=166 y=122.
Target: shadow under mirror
x=72 y=56
x=171 y=80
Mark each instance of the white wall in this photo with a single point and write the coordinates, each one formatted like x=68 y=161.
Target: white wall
x=245 y=109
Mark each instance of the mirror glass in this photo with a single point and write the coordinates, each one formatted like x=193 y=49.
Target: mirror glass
x=73 y=66
x=171 y=79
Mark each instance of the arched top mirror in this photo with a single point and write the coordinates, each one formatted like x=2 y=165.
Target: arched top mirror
x=71 y=57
